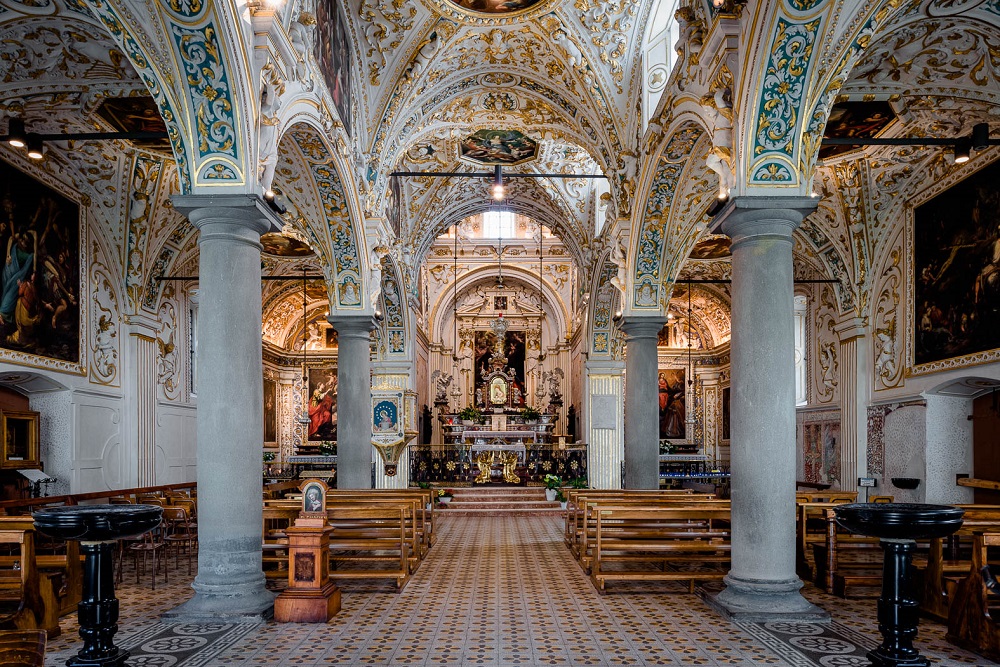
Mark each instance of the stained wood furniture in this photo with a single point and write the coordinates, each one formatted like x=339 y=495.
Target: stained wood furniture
x=22 y=648
x=973 y=616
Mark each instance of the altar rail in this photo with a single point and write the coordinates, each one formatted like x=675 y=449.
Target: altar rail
x=18 y=507
x=454 y=464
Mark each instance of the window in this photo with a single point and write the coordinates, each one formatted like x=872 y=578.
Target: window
x=800 y=350
x=498 y=225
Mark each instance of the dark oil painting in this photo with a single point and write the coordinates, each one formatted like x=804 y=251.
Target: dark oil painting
x=40 y=281
x=494 y=6
x=322 y=404
x=726 y=398
x=503 y=147
x=514 y=349
x=136 y=114
x=956 y=263
x=270 y=411
x=333 y=53
x=394 y=204
x=855 y=119
x=671 y=394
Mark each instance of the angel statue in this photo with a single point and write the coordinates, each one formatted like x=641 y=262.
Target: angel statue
x=618 y=258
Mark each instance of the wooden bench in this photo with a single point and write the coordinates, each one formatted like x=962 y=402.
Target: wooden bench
x=22 y=648
x=973 y=615
x=30 y=596
x=810 y=528
x=651 y=536
x=368 y=536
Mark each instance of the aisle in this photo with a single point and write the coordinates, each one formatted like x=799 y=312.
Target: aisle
x=504 y=591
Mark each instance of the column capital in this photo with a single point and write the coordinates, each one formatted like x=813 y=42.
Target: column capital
x=604 y=367
x=352 y=324
x=762 y=216
x=250 y=211
x=851 y=328
x=640 y=326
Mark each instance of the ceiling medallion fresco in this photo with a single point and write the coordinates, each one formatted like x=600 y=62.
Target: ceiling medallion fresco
x=493 y=147
x=493 y=6
x=855 y=120
x=714 y=247
x=280 y=245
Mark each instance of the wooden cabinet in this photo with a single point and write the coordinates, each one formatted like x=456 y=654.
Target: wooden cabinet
x=19 y=437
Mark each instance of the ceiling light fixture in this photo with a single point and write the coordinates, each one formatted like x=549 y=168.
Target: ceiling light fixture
x=15 y=133
x=498 y=188
x=35 y=147
x=979 y=140
x=963 y=150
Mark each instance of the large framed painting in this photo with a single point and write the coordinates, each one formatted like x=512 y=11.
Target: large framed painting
x=40 y=279
x=270 y=411
x=956 y=272
x=672 y=398
x=394 y=205
x=855 y=119
x=726 y=398
x=333 y=53
x=136 y=114
x=322 y=404
x=494 y=6
x=514 y=349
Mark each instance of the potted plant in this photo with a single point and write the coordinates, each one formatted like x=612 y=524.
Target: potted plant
x=269 y=457
x=578 y=483
x=445 y=495
x=470 y=415
x=530 y=415
x=561 y=499
x=327 y=448
x=552 y=484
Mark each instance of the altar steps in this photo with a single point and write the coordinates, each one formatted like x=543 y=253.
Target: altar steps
x=501 y=501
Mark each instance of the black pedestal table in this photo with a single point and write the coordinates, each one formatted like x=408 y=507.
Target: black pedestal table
x=98 y=528
x=898 y=525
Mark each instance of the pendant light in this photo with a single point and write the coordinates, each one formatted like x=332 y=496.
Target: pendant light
x=304 y=415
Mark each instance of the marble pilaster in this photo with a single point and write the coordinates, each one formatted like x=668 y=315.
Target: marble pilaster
x=230 y=582
x=762 y=583
x=603 y=422
x=642 y=416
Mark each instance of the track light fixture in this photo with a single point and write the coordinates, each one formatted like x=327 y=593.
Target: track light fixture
x=498 y=188
x=15 y=133
x=35 y=149
x=962 y=151
x=980 y=136
x=978 y=140
x=717 y=206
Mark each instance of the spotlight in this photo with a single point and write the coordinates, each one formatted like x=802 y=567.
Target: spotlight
x=498 y=189
x=378 y=315
x=716 y=207
x=269 y=194
x=980 y=136
x=34 y=144
x=962 y=150
x=15 y=133
x=617 y=317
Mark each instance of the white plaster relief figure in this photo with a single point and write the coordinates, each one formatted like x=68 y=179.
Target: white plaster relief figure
x=270 y=103
x=300 y=34
x=885 y=363
x=719 y=112
x=375 y=277
x=423 y=56
x=828 y=366
x=618 y=258
x=576 y=59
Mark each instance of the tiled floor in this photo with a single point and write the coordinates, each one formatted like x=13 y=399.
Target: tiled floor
x=504 y=591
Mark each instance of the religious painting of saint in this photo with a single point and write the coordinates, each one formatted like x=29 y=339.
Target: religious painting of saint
x=322 y=404
x=855 y=119
x=270 y=411
x=40 y=279
x=385 y=417
x=314 y=498
x=671 y=393
x=494 y=6
x=956 y=264
x=503 y=147
x=136 y=114
x=333 y=53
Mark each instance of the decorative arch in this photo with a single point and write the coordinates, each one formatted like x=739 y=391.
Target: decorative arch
x=395 y=306
x=310 y=176
x=605 y=302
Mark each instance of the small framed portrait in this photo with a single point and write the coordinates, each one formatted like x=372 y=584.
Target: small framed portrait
x=313 y=497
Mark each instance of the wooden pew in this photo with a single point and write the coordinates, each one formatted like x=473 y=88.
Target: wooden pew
x=844 y=561
x=368 y=536
x=810 y=528
x=635 y=534
x=31 y=593
x=947 y=566
x=22 y=648
x=972 y=623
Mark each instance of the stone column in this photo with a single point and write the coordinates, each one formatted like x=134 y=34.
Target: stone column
x=354 y=419
x=230 y=582
x=762 y=584
x=853 y=402
x=642 y=409
x=603 y=422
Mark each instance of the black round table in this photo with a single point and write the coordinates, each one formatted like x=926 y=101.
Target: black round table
x=898 y=525
x=98 y=527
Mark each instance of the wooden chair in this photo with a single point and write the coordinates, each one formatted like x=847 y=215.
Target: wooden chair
x=880 y=499
x=178 y=533
x=150 y=544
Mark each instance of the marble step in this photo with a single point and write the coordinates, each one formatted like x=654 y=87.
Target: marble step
x=500 y=505
x=498 y=497
x=459 y=511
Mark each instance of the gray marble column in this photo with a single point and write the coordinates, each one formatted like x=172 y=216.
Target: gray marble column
x=354 y=410
x=230 y=582
x=762 y=584
x=642 y=409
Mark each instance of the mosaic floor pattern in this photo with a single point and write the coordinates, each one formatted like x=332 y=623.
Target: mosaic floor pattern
x=503 y=591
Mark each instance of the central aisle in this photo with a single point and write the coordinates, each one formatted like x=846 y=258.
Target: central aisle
x=503 y=591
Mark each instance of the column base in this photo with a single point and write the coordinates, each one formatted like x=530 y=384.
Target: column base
x=756 y=601
x=224 y=604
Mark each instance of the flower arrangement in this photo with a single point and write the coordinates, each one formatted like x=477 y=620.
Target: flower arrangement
x=578 y=483
x=445 y=493
x=552 y=481
x=470 y=413
x=269 y=457
x=560 y=496
x=327 y=448
x=529 y=413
